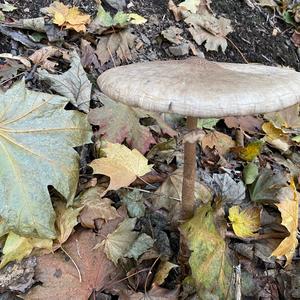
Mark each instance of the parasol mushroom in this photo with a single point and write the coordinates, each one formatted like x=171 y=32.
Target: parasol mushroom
x=200 y=88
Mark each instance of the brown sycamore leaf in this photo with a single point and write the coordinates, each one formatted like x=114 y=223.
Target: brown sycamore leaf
x=119 y=123
x=95 y=207
x=288 y=207
x=59 y=277
x=219 y=140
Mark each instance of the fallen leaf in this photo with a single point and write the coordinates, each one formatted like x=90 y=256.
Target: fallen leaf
x=17 y=247
x=88 y=55
x=246 y=123
x=37 y=136
x=18 y=276
x=119 y=44
x=2 y=16
x=73 y=84
x=207 y=123
x=41 y=57
x=250 y=173
x=276 y=137
x=209 y=29
x=163 y=271
x=173 y=35
x=21 y=59
x=7 y=7
x=121 y=123
x=191 y=5
x=121 y=164
x=95 y=207
x=70 y=18
x=210 y=267
x=156 y=293
x=120 y=241
x=250 y=152
x=266 y=186
x=66 y=220
x=215 y=139
x=60 y=278
x=269 y=3
x=288 y=206
x=143 y=243
x=246 y=222
x=134 y=203
x=9 y=69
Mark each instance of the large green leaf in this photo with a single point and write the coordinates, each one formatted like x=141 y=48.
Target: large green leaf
x=37 y=136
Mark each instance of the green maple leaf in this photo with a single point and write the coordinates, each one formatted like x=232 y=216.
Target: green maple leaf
x=37 y=136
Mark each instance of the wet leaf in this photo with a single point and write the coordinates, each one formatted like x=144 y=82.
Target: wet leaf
x=121 y=164
x=73 y=84
x=37 y=136
x=267 y=186
x=143 y=243
x=288 y=206
x=246 y=222
x=163 y=271
x=209 y=265
x=219 y=140
x=17 y=247
x=118 y=243
x=68 y=17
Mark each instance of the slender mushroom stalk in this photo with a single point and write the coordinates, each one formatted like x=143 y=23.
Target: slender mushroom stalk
x=189 y=171
x=200 y=88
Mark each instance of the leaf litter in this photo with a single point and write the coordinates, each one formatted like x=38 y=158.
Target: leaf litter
x=245 y=196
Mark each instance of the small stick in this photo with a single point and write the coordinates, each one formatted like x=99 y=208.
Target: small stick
x=74 y=263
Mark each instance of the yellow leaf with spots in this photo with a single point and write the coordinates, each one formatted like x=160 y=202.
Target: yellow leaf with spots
x=288 y=207
x=121 y=164
x=244 y=223
x=17 y=247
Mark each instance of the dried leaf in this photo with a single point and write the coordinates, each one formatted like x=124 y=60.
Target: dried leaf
x=73 y=84
x=246 y=222
x=172 y=34
x=288 y=207
x=134 y=203
x=121 y=164
x=246 y=123
x=218 y=140
x=209 y=29
x=88 y=55
x=120 y=241
x=7 y=7
x=95 y=207
x=70 y=18
x=207 y=123
x=163 y=271
x=119 y=123
x=31 y=128
x=156 y=293
x=209 y=265
x=143 y=243
x=250 y=152
x=17 y=247
x=21 y=59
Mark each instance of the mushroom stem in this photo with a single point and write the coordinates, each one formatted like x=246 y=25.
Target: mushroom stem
x=189 y=171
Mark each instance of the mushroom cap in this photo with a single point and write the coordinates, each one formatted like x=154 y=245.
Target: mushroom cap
x=201 y=88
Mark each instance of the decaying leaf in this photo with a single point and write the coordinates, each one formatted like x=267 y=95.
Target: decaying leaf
x=119 y=123
x=222 y=142
x=209 y=29
x=7 y=7
x=249 y=124
x=119 y=44
x=250 y=173
x=88 y=55
x=95 y=207
x=173 y=35
x=246 y=222
x=17 y=247
x=119 y=242
x=10 y=69
x=73 y=84
x=250 y=152
x=288 y=206
x=58 y=274
x=37 y=136
x=163 y=271
x=207 y=123
x=156 y=293
x=209 y=265
x=143 y=243
x=134 y=202
x=68 y=17
x=21 y=59
x=41 y=57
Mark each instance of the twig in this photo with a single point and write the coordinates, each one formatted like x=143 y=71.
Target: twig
x=237 y=49
x=7 y=80
x=74 y=263
x=147 y=278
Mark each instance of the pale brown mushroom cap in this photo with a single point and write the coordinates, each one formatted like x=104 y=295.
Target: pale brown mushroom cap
x=200 y=88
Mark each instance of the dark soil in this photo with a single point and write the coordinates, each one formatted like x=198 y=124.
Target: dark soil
x=251 y=41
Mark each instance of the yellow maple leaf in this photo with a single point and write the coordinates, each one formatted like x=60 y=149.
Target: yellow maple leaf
x=275 y=136
x=244 y=223
x=17 y=247
x=288 y=207
x=121 y=164
x=70 y=18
